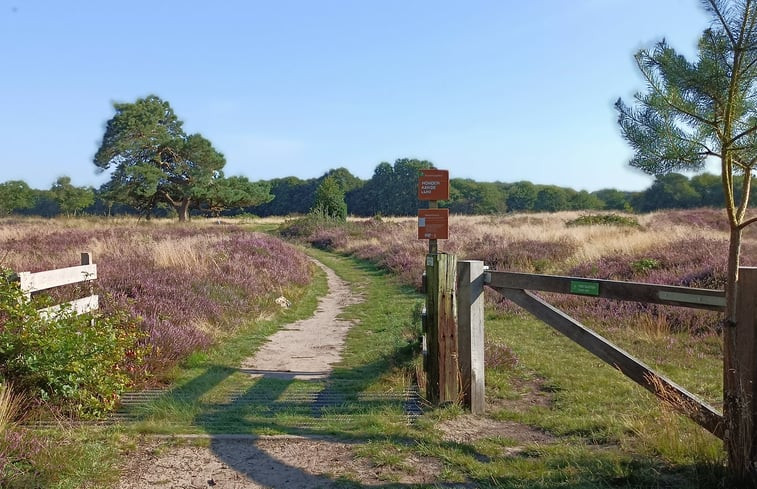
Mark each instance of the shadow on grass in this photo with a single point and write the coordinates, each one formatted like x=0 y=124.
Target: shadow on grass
x=340 y=408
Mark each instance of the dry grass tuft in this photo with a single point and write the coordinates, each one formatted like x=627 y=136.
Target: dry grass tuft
x=10 y=406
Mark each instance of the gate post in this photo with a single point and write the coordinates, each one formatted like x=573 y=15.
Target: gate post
x=740 y=361
x=470 y=329
x=441 y=310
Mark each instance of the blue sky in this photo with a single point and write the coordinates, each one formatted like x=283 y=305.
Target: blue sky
x=492 y=90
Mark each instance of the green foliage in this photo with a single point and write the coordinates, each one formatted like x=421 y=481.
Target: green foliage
x=15 y=195
x=71 y=199
x=329 y=200
x=603 y=220
x=470 y=197
x=521 y=196
x=614 y=199
x=307 y=226
x=645 y=265
x=232 y=193
x=391 y=191
x=551 y=199
x=670 y=191
x=154 y=160
x=73 y=362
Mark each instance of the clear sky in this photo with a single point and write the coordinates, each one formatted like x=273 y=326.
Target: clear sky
x=502 y=90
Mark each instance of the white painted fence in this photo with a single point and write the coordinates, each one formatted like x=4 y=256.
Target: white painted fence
x=86 y=272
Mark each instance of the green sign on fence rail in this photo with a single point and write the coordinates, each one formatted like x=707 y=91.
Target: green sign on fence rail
x=584 y=288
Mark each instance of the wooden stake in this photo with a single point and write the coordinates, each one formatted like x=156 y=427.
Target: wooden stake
x=470 y=329
x=442 y=373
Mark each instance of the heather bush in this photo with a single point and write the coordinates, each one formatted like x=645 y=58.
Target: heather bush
x=185 y=285
x=686 y=248
x=690 y=263
x=329 y=239
x=527 y=255
x=20 y=450
x=306 y=226
x=78 y=364
x=499 y=355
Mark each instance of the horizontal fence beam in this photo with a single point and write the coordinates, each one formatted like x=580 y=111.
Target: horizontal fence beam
x=78 y=306
x=675 y=395
x=713 y=300
x=36 y=281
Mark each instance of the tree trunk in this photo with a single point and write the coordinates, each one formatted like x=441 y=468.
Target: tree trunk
x=183 y=210
x=737 y=392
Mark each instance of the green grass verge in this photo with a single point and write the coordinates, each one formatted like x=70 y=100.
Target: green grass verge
x=212 y=396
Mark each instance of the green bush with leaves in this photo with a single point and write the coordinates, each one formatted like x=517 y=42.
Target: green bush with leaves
x=78 y=365
x=604 y=220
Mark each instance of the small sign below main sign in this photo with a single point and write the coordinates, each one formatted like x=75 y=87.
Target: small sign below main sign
x=433 y=185
x=433 y=223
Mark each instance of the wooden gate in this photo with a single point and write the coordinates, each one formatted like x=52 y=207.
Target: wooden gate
x=458 y=344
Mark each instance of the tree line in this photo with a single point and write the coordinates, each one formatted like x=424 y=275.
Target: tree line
x=391 y=191
x=157 y=169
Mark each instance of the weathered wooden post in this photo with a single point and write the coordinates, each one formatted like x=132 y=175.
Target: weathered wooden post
x=440 y=363
x=470 y=333
x=740 y=371
x=442 y=382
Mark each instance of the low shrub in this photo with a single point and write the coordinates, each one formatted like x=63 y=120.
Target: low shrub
x=307 y=226
x=78 y=364
x=604 y=220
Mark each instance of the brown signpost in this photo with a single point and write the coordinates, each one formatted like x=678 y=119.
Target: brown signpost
x=440 y=325
x=433 y=185
x=433 y=223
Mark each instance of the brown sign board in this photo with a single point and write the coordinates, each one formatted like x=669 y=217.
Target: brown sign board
x=433 y=223
x=433 y=185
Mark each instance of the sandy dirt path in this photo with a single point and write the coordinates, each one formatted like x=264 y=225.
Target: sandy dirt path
x=306 y=349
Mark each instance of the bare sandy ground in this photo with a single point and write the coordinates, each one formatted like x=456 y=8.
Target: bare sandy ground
x=308 y=348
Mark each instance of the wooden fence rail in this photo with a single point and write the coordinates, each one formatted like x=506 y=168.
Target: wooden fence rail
x=31 y=282
x=713 y=300
x=516 y=287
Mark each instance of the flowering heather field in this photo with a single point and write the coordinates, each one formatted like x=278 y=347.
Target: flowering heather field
x=189 y=284
x=672 y=247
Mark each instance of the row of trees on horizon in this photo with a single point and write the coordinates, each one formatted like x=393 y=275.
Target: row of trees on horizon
x=157 y=169
x=391 y=191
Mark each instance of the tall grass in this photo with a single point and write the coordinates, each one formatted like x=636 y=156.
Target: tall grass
x=10 y=406
x=669 y=247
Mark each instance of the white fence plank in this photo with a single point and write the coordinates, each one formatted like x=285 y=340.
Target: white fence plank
x=33 y=282
x=78 y=306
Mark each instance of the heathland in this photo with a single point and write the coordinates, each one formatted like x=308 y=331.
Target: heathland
x=182 y=290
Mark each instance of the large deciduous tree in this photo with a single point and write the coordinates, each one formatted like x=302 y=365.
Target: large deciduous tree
x=153 y=159
x=706 y=108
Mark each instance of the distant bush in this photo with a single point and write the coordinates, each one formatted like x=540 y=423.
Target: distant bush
x=603 y=220
x=79 y=365
x=318 y=229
